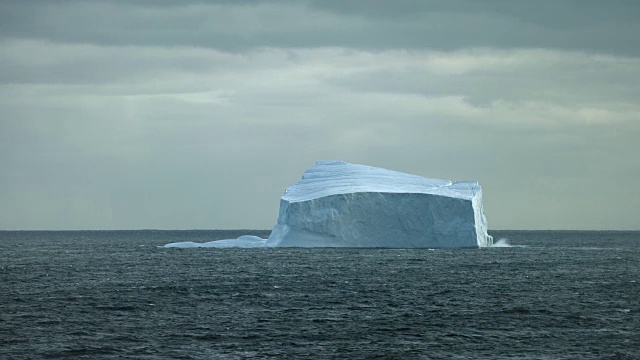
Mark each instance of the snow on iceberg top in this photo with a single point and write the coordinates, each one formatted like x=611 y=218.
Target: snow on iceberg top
x=338 y=177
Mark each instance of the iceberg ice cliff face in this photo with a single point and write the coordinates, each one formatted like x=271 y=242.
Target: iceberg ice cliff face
x=337 y=204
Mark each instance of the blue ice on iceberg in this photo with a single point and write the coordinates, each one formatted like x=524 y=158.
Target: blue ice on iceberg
x=338 y=204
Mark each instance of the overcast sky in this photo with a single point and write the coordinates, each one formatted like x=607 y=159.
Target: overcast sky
x=198 y=114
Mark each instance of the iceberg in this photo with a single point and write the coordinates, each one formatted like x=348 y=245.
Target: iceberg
x=338 y=204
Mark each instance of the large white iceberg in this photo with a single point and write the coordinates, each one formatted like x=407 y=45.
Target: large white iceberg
x=337 y=204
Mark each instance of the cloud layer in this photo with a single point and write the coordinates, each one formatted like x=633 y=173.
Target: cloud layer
x=147 y=115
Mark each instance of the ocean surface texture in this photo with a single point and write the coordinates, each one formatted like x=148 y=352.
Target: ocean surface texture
x=119 y=294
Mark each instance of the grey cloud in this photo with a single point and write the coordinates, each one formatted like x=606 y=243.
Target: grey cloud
x=577 y=25
x=570 y=78
x=39 y=62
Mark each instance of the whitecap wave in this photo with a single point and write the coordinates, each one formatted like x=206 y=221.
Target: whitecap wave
x=504 y=242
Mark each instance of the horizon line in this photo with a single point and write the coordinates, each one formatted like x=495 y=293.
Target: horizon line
x=247 y=229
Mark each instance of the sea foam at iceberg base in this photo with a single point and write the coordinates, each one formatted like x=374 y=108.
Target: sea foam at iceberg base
x=338 y=204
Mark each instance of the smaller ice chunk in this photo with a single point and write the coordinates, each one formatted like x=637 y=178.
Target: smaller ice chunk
x=244 y=241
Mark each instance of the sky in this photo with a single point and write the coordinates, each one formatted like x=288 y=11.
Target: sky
x=198 y=114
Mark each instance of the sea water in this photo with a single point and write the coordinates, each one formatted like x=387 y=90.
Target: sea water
x=120 y=294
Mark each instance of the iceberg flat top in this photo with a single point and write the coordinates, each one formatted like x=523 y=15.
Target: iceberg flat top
x=337 y=177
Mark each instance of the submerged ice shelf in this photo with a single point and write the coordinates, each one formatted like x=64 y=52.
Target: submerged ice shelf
x=338 y=204
x=245 y=241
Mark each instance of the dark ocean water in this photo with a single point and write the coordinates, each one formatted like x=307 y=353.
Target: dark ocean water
x=116 y=294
